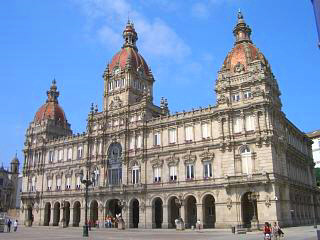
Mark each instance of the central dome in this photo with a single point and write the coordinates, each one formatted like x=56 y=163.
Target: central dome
x=129 y=55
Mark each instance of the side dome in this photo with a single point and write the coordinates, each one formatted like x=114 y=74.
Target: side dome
x=128 y=56
x=244 y=52
x=51 y=109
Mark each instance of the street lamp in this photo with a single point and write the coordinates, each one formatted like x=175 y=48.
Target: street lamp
x=179 y=202
x=253 y=197
x=87 y=182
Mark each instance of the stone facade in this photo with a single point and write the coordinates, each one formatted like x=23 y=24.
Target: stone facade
x=238 y=162
x=315 y=137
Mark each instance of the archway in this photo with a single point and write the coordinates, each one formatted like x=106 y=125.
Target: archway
x=66 y=212
x=209 y=211
x=29 y=213
x=134 y=213
x=157 y=213
x=248 y=209
x=173 y=212
x=76 y=214
x=191 y=211
x=113 y=208
x=56 y=214
x=47 y=214
x=94 y=212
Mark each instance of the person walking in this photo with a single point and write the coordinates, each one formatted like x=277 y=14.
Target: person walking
x=275 y=231
x=9 y=225
x=15 y=225
x=266 y=230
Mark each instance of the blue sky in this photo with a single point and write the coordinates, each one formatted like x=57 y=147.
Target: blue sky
x=183 y=41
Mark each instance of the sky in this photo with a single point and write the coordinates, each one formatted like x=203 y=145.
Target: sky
x=184 y=42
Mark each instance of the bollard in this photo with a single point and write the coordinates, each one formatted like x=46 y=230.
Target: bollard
x=233 y=230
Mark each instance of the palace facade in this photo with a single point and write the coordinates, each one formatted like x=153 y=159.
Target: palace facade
x=240 y=161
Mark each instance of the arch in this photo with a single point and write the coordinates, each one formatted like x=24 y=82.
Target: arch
x=173 y=211
x=66 y=212
x=244 y=149
x=112 y=207
x=157 y=212
x=29 y=214
x=209 y=211
x=47 y=214
x=76 y=214
x=114 y=161
x=190 y=205
x=56 y=214
x=134 y=213
x=248 y=209
x=94 y=212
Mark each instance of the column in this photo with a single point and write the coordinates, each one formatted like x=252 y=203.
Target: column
x=101 y=215
x=52 y=216
x=165 y=220
x=61 y=221
x=183 y=213
x=200 y=214
x=82 y=215
x=149 y=215
x=142 y=215
x=71 y=217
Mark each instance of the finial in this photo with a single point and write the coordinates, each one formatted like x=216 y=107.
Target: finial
x=54 y=81
x=91 y=108
x=96 y=109
x=240 y=16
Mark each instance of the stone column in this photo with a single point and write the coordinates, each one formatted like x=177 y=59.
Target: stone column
x=142 y=215
x=165 y=220
x=61 y=221
x=200 y=214
x=82 y=215
x=149 y=217
x=183 y=213
x=71 y=217
x=101 y=215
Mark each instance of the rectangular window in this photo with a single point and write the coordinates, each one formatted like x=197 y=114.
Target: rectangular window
x=69 y=154
x=79 y=152
x=205 y=130
x=110 y=86
x=189 y=133
x=156 y=139
x=190 y=171
x=139 y=141
x=33 y=184
x=172 y=135
x=58 y=183
x=157 y=174
x=173 y=173
x=236 y=97
x=135 y=175
x=68 y=182
x=249 y=123
x=247 y=94
x=60 y=155
x=133 y=118
x=207 y=170
x=236 y=125
x=49 y=184
x=51 y=155
x=78 y=182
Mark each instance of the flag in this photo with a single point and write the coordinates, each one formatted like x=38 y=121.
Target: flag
x=316 y=8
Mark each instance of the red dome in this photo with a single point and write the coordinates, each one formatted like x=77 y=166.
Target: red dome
x=243 y=53
x=50 y=110
x=131 y=56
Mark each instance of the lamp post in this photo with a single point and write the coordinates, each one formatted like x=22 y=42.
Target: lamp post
x=179 y=202
x=87 y=182
x=253 y=197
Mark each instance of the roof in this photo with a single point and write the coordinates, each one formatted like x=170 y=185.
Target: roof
x=313 y=134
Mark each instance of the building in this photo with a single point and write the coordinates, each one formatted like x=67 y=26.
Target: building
x=238 y=162
x=315 y=137
x=9 y=186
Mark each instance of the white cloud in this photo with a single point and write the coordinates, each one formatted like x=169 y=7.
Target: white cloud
x=200 y=10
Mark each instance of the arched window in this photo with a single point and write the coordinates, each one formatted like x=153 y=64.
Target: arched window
x=114 y=164
x=246 y=160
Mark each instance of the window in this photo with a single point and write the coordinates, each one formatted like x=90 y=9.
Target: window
x=173 y=173
x=156 y=139
x=131 y=143
x=117 y=83
x=157 y=174
x=49 y=183
x=236 y=97
x=190 y=171
x=78 y=182
x=60 y=155
x=172 y=135
x=96 y=177
x=207 y=170
x=237 y=125
x=68 y=182
x=110 y=86
x=1 y=181
x=205 y=130
x=51 y=155
x=249 y=123
x=247 y=94
x=33 y=184
x=189 y=133
x=133 y=118
x=69 y=154
x=79 y=152
x=122 y=82
x=58 y=183
x=246 y=160
x=139 y=141
x=135 y=174
x=211 y=210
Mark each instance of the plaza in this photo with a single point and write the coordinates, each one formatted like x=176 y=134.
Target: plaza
x=48 y=233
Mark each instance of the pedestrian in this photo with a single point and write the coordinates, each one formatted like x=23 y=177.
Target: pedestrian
x=9 y=225
x=266 y=229
x=199 y=224
x=275 y=231
x=15 y=225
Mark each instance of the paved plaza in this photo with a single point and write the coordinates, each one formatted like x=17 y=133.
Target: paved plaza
x=48 y=233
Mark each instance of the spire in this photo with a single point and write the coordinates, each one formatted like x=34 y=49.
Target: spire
x=242 y=31
x=130 y=36
x=53 y=94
